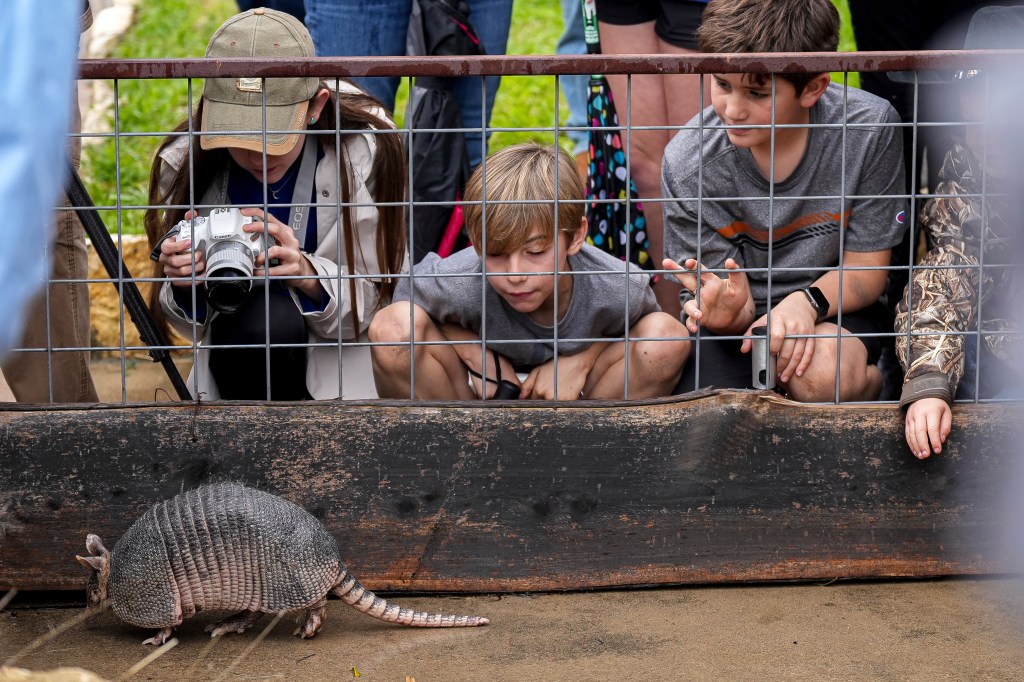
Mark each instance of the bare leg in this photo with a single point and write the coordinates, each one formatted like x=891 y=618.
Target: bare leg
x=240 y=622
x=440 y=374
x=655 y=365
x=858 y=381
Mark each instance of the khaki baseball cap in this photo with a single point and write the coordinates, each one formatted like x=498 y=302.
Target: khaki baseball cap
x=236 y=104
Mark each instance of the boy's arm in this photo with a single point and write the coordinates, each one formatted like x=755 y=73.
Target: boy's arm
x=939 y=302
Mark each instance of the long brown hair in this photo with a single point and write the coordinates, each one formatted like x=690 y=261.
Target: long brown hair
x=387 y=182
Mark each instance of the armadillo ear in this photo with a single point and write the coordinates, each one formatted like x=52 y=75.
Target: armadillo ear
x=95 y=546
x=93 y=563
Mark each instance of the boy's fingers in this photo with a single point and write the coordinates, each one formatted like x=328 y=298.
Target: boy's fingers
x=736 y=277
x=806 y=360
x=915 y=434
x=947 y=423
x=793 y=350
x=933 y=435
x=669 y=264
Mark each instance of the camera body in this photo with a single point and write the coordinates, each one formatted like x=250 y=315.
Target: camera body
x=230 y=253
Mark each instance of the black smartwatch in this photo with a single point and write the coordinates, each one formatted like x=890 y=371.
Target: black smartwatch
x=818 y=301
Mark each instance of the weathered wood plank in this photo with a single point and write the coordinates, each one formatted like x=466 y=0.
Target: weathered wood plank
x=729 y=486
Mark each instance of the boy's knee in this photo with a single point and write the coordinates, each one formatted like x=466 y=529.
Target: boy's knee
x=391 y=325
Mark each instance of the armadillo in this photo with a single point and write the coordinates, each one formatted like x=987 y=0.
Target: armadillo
x=226 y=546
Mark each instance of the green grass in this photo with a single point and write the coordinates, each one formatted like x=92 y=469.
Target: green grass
x=163 y=29
x=181 y=28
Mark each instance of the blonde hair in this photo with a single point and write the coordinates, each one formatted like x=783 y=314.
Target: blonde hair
x=523 y=172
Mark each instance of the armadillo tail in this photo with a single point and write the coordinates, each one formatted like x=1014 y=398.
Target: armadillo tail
x=352 y=592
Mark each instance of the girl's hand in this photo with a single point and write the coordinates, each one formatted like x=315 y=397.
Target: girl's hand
x=176 y=257
x=285 y=256
x=929 y=421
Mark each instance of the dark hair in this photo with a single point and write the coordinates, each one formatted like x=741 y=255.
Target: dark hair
x=386 y=180
x=770 y=26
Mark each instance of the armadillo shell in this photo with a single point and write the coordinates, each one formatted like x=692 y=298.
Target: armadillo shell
x=221 y=546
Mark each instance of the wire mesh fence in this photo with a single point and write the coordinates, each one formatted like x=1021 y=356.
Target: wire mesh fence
x=347 y=269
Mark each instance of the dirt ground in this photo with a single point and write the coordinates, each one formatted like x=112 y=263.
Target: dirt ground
x=954 y=629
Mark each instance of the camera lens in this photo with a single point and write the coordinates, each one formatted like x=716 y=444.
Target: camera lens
x=226 y=292
x=228 y=269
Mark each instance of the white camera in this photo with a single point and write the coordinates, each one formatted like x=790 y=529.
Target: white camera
x=230 y=254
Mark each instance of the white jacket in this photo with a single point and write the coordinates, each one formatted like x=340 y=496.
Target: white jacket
x=329 y=260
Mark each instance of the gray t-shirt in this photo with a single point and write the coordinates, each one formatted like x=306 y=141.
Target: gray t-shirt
x=598 y=308
x=806 y=229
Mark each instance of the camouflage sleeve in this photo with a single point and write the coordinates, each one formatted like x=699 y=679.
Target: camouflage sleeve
x=940 y=301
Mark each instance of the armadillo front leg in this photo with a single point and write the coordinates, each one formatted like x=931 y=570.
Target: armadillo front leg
x=160 y=637
x=313 y=621
x=240 y=622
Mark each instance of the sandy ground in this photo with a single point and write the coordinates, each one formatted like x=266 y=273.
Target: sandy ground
x=137 y=380
x=956 y=629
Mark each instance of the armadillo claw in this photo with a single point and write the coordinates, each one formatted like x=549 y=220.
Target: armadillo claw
x=159 y=638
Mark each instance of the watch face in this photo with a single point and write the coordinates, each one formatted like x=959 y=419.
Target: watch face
x=818 y=300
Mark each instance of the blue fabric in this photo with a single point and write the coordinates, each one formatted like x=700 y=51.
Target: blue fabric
x=379 y=27
x=296 y=8
x=574 y=88
x=38 y=47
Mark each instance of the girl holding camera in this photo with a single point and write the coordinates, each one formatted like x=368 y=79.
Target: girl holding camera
x=308 y=154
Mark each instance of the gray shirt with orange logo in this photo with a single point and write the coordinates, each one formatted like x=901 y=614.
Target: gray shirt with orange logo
x=793 y=227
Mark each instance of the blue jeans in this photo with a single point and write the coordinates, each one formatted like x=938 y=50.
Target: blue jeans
x=574 y=88
x=292 y=7
x=378 y=27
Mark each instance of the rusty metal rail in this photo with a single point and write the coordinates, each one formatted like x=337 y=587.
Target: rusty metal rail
x=545 y=65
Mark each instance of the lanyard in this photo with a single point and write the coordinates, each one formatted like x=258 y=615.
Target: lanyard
x=298 y=217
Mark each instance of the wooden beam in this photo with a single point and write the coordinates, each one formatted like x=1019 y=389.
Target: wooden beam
x=719 y=487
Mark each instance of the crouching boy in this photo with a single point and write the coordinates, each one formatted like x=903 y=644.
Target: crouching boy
x=795 y=200
x=535 y=275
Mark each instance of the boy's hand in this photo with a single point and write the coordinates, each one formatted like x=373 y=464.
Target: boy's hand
x=573 y=371
x=793 y=315
x=929 y=420
x=723 y=302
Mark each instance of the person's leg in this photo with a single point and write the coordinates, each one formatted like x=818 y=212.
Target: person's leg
x=715 y=363
x=440 y=374
x=858 y=380
x=491 y=20
x=361 y=28
x=574 y=88
x=241 y=373
x=655 y=364
x=61 y=322
x=653 y=100
x=296 y=8
x=65 y=324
